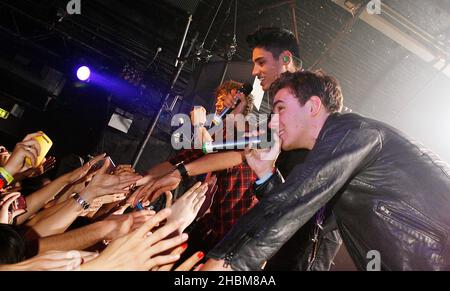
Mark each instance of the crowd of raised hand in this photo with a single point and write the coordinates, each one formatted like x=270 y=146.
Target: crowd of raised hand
x=37 y=230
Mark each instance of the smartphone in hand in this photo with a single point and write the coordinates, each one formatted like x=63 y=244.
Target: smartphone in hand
x=45 y=143
x=19 y=204
x=99 y=164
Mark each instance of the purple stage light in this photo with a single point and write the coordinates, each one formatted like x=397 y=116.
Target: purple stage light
x=83 y=73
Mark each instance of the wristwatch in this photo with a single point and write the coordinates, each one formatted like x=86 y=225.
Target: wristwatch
x=182 y=169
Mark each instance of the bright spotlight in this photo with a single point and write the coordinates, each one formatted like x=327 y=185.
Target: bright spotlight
x=83 y=73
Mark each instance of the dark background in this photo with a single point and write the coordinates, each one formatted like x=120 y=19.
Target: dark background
x=40 y=47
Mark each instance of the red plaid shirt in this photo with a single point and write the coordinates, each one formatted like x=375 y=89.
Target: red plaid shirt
x=234 y=197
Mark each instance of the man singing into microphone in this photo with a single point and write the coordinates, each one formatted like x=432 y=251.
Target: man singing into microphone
x=234 y=195
x=389 y=194
x=274 y=51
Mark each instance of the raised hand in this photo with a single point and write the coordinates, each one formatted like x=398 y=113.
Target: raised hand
x=7 y=216
x=169 y=199
x=28 y=148
x=46 y=165
x=139 y=250
x=4 y=156
x=105 y=184
x=121 y=225
x=53 y=261
x=263 y=161
x=198 y=116
x=211 y=180
x=123 y=170
x=188 y=205
x=152 y=190
x=81 y=173
x=231 y=99
x=187 y=265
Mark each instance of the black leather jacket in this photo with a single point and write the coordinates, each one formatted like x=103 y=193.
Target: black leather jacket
x=387 y=192
x=313 y=247
x=310 y=248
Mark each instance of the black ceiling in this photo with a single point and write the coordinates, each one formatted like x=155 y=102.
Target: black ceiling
x=117 y=32
x=374 y=70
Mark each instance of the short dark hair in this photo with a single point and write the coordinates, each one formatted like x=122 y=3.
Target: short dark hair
x=12 y=245
x=275 y=40
x=306 y=84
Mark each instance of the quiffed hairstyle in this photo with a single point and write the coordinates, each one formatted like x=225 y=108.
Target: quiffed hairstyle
x=306 y=84
x=275 y=40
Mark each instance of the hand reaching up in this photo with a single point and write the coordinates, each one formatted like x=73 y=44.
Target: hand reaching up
x=28 y=148
x=262 y=161
x=211 y=181
x=121 y=225
x=7 y=216
x=4 y=156
x=141 y=250
x=105 y=184
x=187 y=206
x=80 y=174
x=46 y=165
x=154 y=188
x=53 y=261
x=187 y=265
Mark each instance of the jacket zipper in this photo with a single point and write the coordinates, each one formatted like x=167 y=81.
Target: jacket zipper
x=229 y=255
x=227 y=259
x=420 y=225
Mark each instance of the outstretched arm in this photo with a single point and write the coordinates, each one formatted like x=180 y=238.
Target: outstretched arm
x=215 y=162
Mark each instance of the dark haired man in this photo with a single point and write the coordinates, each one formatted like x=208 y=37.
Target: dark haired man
x=274 y=51
x=389 y=194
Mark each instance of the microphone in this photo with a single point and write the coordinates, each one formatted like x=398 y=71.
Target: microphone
x=245 y=89
x=212 y=147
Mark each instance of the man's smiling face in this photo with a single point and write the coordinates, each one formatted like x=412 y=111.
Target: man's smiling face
x=293 y=120
x=266 y=67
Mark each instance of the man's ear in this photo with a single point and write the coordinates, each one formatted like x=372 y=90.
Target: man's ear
x=315 y=105
x=286 y=57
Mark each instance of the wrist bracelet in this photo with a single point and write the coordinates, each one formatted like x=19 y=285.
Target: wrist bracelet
x=81 y=201
x=180 y=167
x=6 y=175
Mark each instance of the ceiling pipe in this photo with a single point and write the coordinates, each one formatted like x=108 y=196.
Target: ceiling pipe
x=293 y=6
x=432 y=56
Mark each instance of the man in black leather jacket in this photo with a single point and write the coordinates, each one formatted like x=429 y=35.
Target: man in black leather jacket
x=274 y=51
x=390 y=196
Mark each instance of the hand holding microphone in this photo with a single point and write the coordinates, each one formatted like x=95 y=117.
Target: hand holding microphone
x=198 y=119
x=262 y=161
x=261 y=153
x=231 y=101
